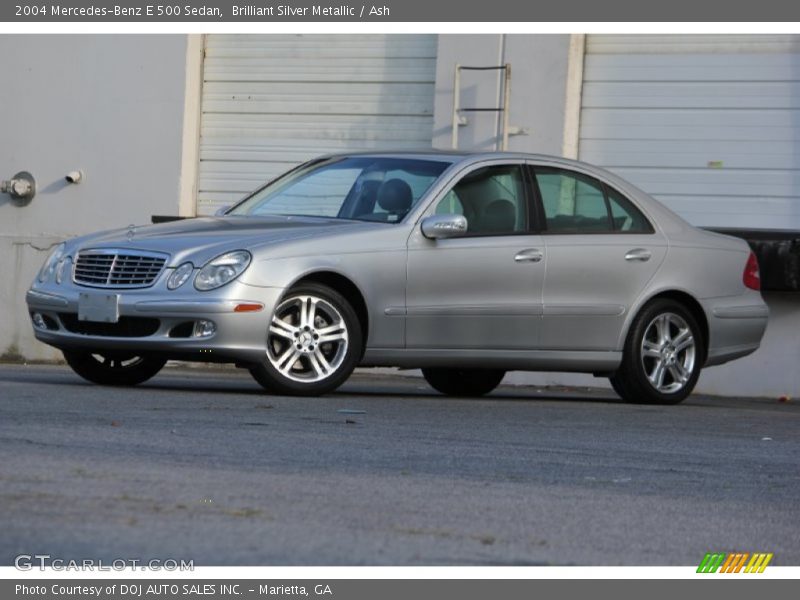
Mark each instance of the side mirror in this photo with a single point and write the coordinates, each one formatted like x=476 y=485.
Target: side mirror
x=220 y=212
x=437 y=227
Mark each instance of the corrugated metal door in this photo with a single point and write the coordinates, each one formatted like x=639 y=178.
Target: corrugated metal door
x=272 y=101
x=708 y=124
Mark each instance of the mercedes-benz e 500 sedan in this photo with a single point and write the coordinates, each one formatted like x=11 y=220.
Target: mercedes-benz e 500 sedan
x=463 y=265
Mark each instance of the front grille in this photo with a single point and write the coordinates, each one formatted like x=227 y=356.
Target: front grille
x=126 y=326
x=117 y=268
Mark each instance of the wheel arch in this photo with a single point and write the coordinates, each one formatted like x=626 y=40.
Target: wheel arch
x=347 y=288
x=688 y=301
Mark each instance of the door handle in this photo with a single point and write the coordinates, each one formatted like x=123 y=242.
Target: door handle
x=638 y=254
x=529 y=255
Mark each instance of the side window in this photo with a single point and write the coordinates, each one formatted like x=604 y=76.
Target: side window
x=576 y=203
x=450 y=205
x=625 y=215
x=492 y=199
x=572 y=203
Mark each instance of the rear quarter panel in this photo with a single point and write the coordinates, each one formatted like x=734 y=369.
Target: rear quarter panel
x=709 y=268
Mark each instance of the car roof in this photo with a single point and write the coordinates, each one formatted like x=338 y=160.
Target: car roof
x=456 y=156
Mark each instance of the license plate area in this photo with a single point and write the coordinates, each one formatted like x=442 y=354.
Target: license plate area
x=99 y=308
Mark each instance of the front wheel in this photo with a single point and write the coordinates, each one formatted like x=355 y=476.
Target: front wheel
x=463 y=382
x=314 y=342
x=113 y=368
x=663 y=355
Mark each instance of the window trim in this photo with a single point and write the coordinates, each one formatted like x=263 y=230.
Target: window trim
x=605 y=187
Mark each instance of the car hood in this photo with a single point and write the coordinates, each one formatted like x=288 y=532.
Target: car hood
x=202 y=239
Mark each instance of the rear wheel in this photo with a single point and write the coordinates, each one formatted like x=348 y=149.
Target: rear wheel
x=314 y=342
x=463 y=382
x=113 y=368
x=663 y=355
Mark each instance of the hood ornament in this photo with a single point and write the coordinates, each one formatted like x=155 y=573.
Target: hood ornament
x=131 y=232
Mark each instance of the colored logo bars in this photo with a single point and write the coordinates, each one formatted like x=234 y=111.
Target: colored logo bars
x=734 y=562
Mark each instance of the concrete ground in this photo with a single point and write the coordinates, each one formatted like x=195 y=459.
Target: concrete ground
x=200 y=464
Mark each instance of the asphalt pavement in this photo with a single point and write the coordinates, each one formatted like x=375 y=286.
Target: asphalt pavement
x=200 y=464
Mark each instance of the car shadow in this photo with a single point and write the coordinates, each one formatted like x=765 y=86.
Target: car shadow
x=358 y=389
x=497 y=395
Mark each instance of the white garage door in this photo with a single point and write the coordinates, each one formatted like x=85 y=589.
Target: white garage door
x=272 y=101
x=710 y=125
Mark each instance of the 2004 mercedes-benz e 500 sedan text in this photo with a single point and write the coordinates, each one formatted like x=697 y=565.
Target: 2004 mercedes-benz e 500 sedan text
x=463 y=265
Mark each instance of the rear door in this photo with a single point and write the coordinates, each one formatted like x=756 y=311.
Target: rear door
x=601 y=253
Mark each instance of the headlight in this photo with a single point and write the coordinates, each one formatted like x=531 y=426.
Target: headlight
x=63 y=269
x=180 y=276
x=222 y=270
x=49 y=266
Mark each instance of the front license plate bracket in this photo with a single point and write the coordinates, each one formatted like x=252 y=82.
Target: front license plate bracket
x=99 y=308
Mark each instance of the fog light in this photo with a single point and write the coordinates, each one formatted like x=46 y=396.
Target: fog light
x=205 y=328
x=38 y=321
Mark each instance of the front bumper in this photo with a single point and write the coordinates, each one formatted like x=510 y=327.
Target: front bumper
x=160 y=321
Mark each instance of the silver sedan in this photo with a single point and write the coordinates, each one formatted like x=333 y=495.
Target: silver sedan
x=464 y=265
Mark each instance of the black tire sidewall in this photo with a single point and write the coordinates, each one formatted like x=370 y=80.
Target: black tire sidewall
x=463 y=382
x=273 y=381
x=85 y=365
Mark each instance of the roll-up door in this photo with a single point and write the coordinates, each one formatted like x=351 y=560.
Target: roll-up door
x=272 y=101
x=708 y=124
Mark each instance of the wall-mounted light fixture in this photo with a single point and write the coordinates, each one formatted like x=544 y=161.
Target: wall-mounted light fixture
x=21 y=188
x=74 y=177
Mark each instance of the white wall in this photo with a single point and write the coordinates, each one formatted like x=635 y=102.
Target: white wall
x=112 y=106
x=538 y=90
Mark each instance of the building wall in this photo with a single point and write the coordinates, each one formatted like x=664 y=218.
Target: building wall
x=112 y=106
x=538 y=100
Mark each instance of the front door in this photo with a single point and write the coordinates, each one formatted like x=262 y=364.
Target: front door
x=482 y=290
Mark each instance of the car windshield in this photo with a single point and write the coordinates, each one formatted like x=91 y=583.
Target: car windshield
x=365 y=188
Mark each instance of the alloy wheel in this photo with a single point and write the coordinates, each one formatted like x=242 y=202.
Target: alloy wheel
x=668 y=353
x=307 y=340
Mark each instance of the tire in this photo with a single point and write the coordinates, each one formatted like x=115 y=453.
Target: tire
x=617 y=386
x=663 y=355
x=296 y=362
x=113 y=368
x=463 y=382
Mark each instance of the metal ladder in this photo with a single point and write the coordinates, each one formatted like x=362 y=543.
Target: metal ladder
x=458 y=120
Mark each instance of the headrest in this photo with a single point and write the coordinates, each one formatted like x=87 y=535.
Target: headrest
x=395 y=196
x=499 y=215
